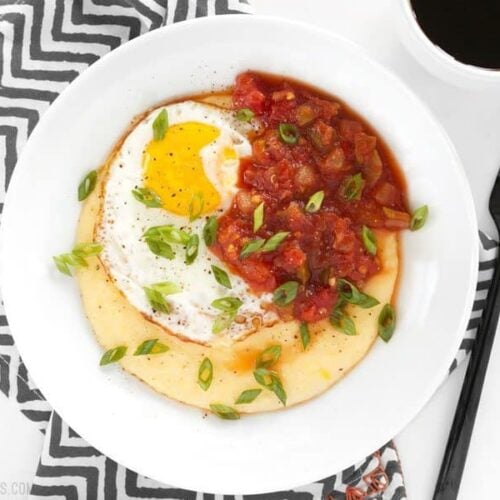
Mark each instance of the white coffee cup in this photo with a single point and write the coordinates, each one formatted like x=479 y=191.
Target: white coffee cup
x=435 y=59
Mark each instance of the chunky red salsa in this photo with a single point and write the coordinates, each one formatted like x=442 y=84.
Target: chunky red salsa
x=310 y=146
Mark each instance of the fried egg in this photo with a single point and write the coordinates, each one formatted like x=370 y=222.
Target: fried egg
x=197 y=159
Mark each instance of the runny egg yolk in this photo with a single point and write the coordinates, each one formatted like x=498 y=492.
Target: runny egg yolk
x=173 y=168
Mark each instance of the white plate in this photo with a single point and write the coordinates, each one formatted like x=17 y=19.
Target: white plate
x=171 y=442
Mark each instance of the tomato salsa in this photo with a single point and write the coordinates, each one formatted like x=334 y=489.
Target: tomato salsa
x=317 y=178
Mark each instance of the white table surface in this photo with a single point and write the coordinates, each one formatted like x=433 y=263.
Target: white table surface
x=472 y=120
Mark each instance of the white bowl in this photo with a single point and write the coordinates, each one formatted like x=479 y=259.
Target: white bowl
x=435 y=59
x=171 y=442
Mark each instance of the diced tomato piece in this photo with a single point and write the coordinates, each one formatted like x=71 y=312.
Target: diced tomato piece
x=247 y=93
x=259 y=152
x=275 y=147
x=282 y=112
x=349 y=129
x=295 y=218
x=306 y=179
x=302 y=152
x=345 y=238
x=291 y=258
x=387 y=195
x=396 y=219
x=313 y=305
x=247 y=202
x=260 y=274
x=327 y=109
x=354 y=267
x=306 y=113
x=335 y=162
x=373 y=168
x=321 y=135
x=366 y=212
x=364 y=145
x=348 y=149
x=397 y=224
x=229 y=237
x=285 y=175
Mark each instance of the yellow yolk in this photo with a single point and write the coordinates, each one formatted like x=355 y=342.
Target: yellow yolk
x=230 y=154
x=173 y=168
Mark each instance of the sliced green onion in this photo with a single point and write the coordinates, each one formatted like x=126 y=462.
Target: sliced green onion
x=244 y=114
x=369 y=240
x=352 y=295
x=419 y=218
x=262 y=245
x=77 y=260
x=305 y=335
x=222 y=322
x=386 y=323
x=156 y=300
x=87 y=185
x=315 y=201
x=160 y=125
x=225 y=412
x=192 y=248
x=278 y=389
x=113 y=355
x=196 y=206
x=285 y=293
x=63 y=263
x=87 y=249
x=352 y=187
x=210 y=231
x=248 y=396
x=151 y=346
x=166 y=287
x=264 y=377
x=258 y=217
x=168 y=233
x=289 y=133
x=227 y=304
x=160 y=248
x=159 y=239
x=147 y=197
x=341 y=321
x=221 y=276
x=229 y=307
x=268 y=357
x=77 y=257
x=251 y=247
x=205 y=374
x=274 y=241
x=271 y=381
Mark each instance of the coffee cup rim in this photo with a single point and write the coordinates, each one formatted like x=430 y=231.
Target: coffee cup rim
x=440 y=55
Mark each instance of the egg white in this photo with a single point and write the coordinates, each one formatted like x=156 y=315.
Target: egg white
x=124 y=220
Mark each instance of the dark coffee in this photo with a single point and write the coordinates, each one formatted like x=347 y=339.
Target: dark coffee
x=469 y=30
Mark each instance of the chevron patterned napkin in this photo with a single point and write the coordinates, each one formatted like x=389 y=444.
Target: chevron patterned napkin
x=44 y=45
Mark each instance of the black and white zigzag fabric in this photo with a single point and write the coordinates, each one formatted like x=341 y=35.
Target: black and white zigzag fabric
x=44 y=45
